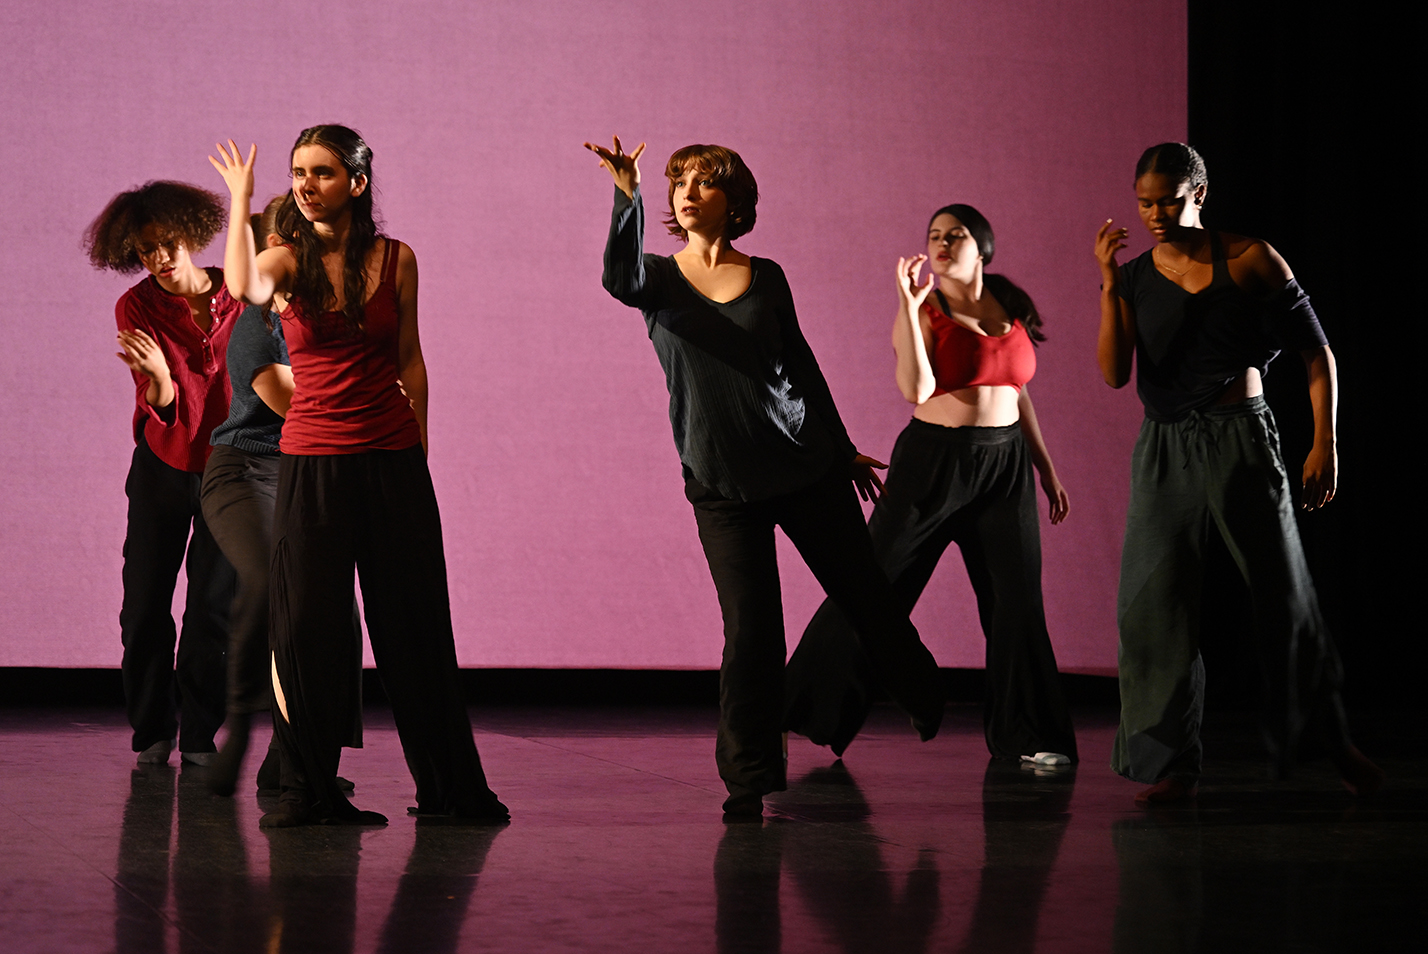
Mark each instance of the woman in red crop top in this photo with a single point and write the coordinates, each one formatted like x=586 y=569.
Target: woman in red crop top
x=353 y=490
x=173 y=336
x=961 y=472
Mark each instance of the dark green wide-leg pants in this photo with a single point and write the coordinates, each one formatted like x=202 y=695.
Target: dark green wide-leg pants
x=1219 y=468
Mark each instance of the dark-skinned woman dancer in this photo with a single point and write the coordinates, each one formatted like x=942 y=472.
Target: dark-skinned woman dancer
x=761 y=444
x=1203 y=313
x=353 y=490
x=961 y=471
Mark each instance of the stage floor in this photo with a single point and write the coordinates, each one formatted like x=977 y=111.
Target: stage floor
x=617 y=844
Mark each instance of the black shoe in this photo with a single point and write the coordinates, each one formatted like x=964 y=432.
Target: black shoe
x=488 y=812
x=270 y=772
x=740 y=808
x=224 y=768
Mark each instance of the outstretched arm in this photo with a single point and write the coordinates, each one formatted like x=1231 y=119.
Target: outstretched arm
x=1321 y=468
x=1060 y=503
x=915 y=378
x=249 y=276
x=1115 y=344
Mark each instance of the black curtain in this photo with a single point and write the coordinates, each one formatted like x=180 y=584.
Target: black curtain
x=1308 y=116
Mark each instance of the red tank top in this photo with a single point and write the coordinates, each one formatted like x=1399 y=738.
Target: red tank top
x=346 y=397
x=961 y=358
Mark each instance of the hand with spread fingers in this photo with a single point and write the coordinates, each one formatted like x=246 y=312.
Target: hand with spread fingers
x=865 y=478
x=235 y=170
x=624 y=167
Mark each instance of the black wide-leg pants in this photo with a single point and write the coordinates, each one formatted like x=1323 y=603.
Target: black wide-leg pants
x=825 y=523
x=240 y=488
x=1218 y=470
x=164 y=693
x=377 y=512
x=973 y=486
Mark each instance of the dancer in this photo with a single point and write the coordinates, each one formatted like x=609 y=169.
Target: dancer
x=1204 y=313
x=761 y=443
x=239 y=486
x=961 y=471
x=173 y=333
x=353 y=490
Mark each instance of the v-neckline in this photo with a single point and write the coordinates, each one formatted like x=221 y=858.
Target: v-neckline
x=753 y=277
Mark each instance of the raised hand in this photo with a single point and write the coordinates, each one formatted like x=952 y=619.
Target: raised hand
x=913 y=294
x=1109 y=241
x=234 y=170
x=624 y=168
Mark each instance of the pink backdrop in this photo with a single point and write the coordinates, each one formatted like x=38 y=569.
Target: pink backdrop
x=568 y=538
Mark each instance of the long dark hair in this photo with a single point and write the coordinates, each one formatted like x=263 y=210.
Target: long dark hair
x=1013 y=299
x=311 y=285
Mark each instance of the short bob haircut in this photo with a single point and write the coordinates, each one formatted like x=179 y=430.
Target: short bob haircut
x=728 y=173
x=184 y=213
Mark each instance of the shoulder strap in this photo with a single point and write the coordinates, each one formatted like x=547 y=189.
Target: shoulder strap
x=942 y=302
x=389 y=259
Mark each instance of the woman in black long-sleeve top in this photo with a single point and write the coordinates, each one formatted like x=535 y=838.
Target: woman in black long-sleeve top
x=761 y=444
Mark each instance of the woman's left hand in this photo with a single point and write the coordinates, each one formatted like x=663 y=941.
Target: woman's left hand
x=865 y=478
x=1056 y=496
x=1321 y=478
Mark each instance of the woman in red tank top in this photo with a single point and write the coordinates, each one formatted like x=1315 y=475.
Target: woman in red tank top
x=961 y=472
x=353 y=490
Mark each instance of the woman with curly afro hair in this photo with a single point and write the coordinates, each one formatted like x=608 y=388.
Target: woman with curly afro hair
x=173 y=336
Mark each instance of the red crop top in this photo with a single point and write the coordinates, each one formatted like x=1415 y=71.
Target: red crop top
x=961 y=358
x=346 y=397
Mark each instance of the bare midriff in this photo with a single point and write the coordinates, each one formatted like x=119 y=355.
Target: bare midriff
x=1242 y=388
x=986 y=405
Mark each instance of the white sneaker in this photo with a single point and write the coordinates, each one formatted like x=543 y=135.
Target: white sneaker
x=1047 y=758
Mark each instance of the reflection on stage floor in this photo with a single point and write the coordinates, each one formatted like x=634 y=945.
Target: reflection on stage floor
x=617 y=844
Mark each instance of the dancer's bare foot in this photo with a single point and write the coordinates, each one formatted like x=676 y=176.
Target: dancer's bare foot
x=1169 y=791
x=1360 y=776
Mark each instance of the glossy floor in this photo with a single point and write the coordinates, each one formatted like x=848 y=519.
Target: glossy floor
x=617 y=844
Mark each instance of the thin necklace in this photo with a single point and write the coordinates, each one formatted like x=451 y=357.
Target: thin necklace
x=1160 y=260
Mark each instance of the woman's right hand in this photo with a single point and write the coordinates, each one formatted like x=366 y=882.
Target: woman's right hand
x=913 y=294
x=236 y=172
x=624 y=169
x=1109 y=241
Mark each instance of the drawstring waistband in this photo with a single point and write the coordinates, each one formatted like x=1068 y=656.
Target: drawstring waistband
x=1196 y=428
